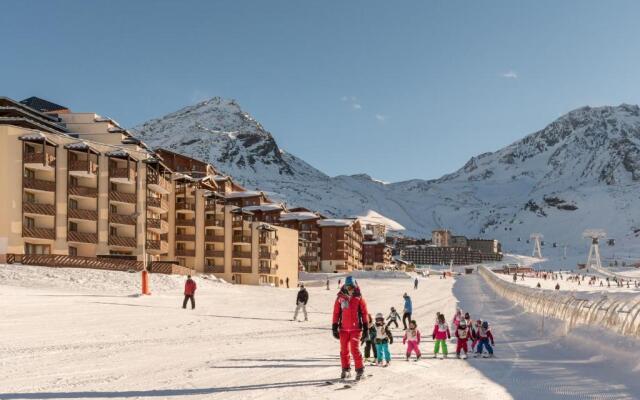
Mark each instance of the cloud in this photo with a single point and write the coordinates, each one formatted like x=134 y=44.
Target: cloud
x=510 y=74
x=381 y=117
x=352 y=101
x=356 y=106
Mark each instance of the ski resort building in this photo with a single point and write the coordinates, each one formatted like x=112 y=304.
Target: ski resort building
x=80 y=190
x=309 y=248
x=376 y=254
x=446 y=248
x=341 y=244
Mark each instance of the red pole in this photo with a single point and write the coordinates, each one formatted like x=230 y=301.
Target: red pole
x=145 y=282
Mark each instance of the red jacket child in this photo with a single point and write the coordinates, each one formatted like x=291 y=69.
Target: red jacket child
x=189 y=287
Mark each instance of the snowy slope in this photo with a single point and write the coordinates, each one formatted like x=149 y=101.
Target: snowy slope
x=581 y=171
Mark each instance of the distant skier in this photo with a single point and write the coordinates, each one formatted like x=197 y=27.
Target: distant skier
x=440 y=334
x=558 y=285
x=383 y=338
x=457 y=318
x=412 y=340
x=350 y=321
x=327 y=284
x=484 y=336
x=415 y=284
x=189 y=292
x=287 y=282
x=393 y=317
x=301 y=303
x=408 y=310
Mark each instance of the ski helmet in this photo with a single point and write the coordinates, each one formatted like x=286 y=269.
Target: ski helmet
x=379 y=316
x=462 y=324
x=485 y=325
x=349 y=281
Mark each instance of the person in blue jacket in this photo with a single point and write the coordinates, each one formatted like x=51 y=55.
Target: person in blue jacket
x=408 y=309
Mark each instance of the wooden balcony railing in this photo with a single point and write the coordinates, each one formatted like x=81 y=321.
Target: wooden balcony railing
x=214 y=238
x=122 y=219
x=157 y=203
x=122 y=197
x=188 y=206
x=83 y=191
x=214 y=269
x=241 y=269
x=238 y=224
x=157 y=245
x=89 y=215
x=241 y=239
x=267 y=270
x=82 y=237
x=156 y=181
x=126 y=173
x=38 y=184
x=157 y=223
x=267 y=255
x=218 y=208
x=46 y=159
x=39 y=208
x=214 y=222
x=309 y=258
x=40 y=233
x=185 y=222
x=267 y=241
x=87 y=166
x=122 y=241
x=214 y=253
x=185 y=252
x=241 y=254
x=185 y=237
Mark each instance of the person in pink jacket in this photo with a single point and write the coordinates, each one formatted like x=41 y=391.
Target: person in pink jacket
x=440 y=334
x=412 y=340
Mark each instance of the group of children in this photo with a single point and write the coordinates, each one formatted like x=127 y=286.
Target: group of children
x=378 y=337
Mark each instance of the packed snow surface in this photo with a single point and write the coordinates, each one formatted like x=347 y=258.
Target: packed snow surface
x=572 y=285
x=74 y=334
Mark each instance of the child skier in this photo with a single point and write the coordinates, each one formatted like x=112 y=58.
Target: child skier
x=484 y=337
x=369 y=346
x=393 y=317
x=463 y=334
x=440 y=334
x=467 y=319
x=457 y=318
x=383 y=338
x=412 y=340
x=474 y=334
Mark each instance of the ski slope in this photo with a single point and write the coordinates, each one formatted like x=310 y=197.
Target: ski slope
x=75 y=334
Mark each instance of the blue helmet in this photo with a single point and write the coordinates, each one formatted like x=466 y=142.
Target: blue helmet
x=349 y=281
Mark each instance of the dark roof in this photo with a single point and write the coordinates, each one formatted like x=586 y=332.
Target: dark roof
x=42 y=105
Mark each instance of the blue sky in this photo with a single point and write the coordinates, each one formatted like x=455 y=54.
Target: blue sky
x=396 y=89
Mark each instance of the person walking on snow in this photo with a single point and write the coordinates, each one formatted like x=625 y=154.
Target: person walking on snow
x=463 y=334
x=393 y=317
x=189 y=292
x=484 y=337
x=369 y=345
x=440 y=334
x=350 y=321
x=301 y=303
x=408 y=309
x=412 y=340
x=415 y=284
x=383 y=339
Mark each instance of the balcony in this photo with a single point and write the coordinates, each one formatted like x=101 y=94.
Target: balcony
x=85 y=168
x=38 y=208
x=157 y=246
x=157 y=182
x=241 y=254
x=186 y=206
x=241 y=269
x=83 y=191
x=185 y=222
x=214 y=269
x=39 y=160
x=216 y=223
x=267 y=241
x=214 y=207
x=267 y=270
x=241 y=239
x=122 y=219
x=158 y=225
x=214 y=253
x=214 y=238
x=121 y=174
x=185 y=237
x=87 y=215
x=239 y=224
x=185 y=252
x=309 y=258
x=122 y=241
x=122 y=197
x=157 y=205
x=38 y=184
x=82 y=237
x=267 y=255
x=39 y=233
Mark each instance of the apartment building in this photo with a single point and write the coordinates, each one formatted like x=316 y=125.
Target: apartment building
x=376 y=254
x=341 y=245
x=79 y=185
x=306 y=223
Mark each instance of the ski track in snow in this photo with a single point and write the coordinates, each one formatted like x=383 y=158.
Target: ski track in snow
x=64 y=337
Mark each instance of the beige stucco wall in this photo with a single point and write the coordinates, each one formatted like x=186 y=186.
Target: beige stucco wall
x=11 y=200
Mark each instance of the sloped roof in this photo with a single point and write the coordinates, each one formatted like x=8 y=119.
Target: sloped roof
x=42 y=105
x=336 y=222
x=298 y=216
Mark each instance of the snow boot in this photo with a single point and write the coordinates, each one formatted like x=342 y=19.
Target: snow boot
x=359 y=374
x=346 y=373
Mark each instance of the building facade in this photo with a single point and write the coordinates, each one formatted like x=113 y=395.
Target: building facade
x=341 y=245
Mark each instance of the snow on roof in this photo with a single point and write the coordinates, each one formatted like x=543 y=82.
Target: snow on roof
x=336 y=222
x=264 y=207
x=374 y=242
x=220 y=178
x=298 y=216
x=373 y=217
x=238 y=195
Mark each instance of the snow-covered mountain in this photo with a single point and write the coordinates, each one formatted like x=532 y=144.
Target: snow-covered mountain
x=581 y=171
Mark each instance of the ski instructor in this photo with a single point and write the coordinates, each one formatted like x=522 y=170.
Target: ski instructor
x=349 y=325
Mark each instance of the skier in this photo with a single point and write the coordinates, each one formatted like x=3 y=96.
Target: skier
x=440 y=334
x=327 y=284
x=393 y=317
x=349 y=320
x=189 y=292
x=383 y=339
x=408 y=309
x=457 y=318
x=412 y=340
x=475 y=336
x=370 y=346
x=287 y=281
x=484 y=337
x=463 y=334
x=415 y=284
x=467 y=319
x=301 y=303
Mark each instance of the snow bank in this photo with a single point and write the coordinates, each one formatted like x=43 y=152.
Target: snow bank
x=618 y=314
x=323 y=276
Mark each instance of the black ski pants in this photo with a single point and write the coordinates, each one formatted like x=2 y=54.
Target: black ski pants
x=188 y=297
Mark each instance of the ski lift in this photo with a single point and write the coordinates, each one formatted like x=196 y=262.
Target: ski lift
x=611 y=242
x=555 y=244
x=518 y=239
x=542 y=243
x=527 y=241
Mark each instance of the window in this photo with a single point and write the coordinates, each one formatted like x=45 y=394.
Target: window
x=29 y=222
x=31 y=248
x=73 y=251
x=29 y=197
x=73 y=181
x=114 y=187
x=73 y=227
x=29 y=173
x=113 y=209
x=73 y=204
x=113 y=231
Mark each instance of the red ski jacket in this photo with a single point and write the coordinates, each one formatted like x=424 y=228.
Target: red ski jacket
x=189 y=287
x=350 y=312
